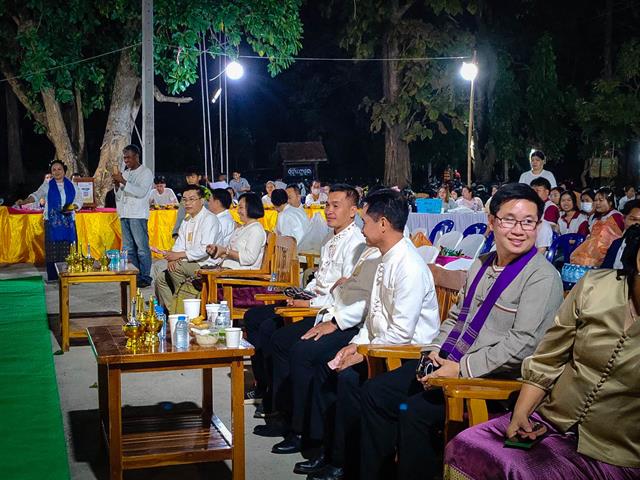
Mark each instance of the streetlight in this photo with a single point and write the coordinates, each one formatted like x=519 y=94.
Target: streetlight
x=469 y=71
x=234 y=70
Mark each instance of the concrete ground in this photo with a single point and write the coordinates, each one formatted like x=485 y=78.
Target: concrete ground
x=77 y=376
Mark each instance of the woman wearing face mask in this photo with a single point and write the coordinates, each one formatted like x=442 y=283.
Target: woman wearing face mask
x=586 y=201
x=571 y=219
x=61 y=197
x=317 y=196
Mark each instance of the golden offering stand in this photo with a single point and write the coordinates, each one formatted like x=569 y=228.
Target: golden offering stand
x=78 y=263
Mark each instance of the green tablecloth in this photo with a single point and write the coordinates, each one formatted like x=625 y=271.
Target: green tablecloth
x=32 y=442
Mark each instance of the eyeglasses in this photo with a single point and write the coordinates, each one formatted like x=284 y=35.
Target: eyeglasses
x=190 y=199
x=527 y=224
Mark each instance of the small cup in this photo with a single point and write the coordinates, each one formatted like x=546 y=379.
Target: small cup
x=232 y=336
x=191 y=307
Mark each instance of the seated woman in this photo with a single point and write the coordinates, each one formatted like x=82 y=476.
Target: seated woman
x=586 y=201
x=266 y=198
x=447 y=202
x=580 y=395
x=469 y=201
x=572 y=220
x=246 y=246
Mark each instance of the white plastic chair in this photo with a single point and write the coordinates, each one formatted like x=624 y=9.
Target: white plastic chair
x=471 y=245
x=449 y=240
x=460 y=264
x=429 y=254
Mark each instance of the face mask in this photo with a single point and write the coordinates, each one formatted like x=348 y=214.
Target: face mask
x=315 y=191
x=587 y=206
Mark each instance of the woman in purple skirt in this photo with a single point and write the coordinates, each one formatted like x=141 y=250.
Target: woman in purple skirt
x=581 y=394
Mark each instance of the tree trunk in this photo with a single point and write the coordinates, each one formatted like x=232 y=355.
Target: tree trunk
x=14 y=143
x=125 y=104
x=397 y=162
x=57 y=131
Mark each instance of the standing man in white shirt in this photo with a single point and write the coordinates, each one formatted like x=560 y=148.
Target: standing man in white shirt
x=219 y=203
x=402 y=309
x=132 y=189
x=537 y=160
x=292 y=222
x=189 y=253
x=338 y=256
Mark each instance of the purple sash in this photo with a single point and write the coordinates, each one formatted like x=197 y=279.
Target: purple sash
x=455 y=347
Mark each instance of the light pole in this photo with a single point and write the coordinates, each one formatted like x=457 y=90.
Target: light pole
x=469 y=71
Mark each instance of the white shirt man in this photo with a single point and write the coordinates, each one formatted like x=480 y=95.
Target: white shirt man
x=219 y=204
x=292 y=222
x=167 y=197
x=195 y=234
x=338 y=256
x=227 y=226
x=132 y=200
x=403 y=307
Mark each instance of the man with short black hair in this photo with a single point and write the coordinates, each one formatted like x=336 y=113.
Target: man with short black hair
x=402 y=309
x=508 y=302
x=132 y=189
x=292 y=222
x=189 y=253
x=551 y=211
x=219 y=204
x=293 y=195
x=162 y=195
x=239 y=184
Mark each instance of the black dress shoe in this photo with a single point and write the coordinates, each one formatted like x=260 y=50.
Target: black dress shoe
x=291 y=444
x=270 y=430
x=329 y=472
x=312 y=465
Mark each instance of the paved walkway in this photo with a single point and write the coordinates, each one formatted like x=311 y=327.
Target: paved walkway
x=77 y=375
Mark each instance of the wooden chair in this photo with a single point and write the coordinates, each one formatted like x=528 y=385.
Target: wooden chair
x=284 y=267
x=458 y=392
x=210 y=277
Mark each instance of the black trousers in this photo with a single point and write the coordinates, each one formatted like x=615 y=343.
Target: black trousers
x=397 y=411
x=335 y=414
x=260 y=324
x=294 y=364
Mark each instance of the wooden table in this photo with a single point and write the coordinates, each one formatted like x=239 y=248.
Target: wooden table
x=170 y=438
x=66 y=279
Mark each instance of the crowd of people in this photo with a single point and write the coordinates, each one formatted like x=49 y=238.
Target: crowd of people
x=578 y=356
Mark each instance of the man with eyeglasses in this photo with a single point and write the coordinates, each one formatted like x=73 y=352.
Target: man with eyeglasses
x=508 y=302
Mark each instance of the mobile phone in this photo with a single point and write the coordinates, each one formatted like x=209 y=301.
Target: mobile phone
x=525 y=443
x=425 y=365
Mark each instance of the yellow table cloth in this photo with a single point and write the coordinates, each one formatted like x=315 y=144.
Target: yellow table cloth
x=22 y=234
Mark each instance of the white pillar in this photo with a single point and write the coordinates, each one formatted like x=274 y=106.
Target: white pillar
x=148 y=143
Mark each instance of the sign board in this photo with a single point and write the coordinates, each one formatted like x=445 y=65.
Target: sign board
x=85 y=185
x=299 y=172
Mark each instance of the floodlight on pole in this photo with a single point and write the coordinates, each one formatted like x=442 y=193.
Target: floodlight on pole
x=469 y=71
x=234 y=70
x=216 y=95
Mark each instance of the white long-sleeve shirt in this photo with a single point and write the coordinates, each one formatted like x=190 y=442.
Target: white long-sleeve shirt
x=195 y=234
x=350 y=300
x=168 y=197
x=292 y=222
x=43 y=192
x=132 y=200
x=227 y=226
x=403 y=308
x=322 y=198
x=338 y=255
x=248 y=241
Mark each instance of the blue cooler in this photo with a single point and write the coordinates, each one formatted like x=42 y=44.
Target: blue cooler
x=429 y=205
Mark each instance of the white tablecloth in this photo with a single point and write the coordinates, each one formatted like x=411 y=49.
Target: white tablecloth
x=460 y=220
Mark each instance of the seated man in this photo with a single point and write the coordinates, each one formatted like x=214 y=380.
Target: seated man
x=291 y=222
x=293 y=195
x=509 y=300
x=402 y=309
x=219 y=203
x=338 y=256
x=551 y=211
x=161 y=195
x=189 y=253
x=631 y=212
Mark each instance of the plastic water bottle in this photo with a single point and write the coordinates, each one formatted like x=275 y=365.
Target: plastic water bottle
x=274 y=278
x=162 y=334
x=182 y=333
x=223 y=320
x=124 y=258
